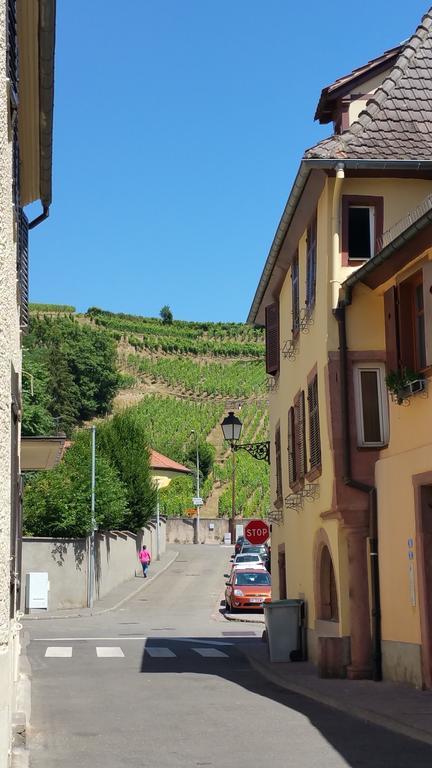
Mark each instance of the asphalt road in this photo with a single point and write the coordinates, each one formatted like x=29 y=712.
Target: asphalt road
x=161 y=683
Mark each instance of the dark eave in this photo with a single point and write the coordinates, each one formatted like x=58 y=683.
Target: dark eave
x=47 y=20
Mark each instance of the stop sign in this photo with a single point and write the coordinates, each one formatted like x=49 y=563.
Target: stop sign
x=257 y=531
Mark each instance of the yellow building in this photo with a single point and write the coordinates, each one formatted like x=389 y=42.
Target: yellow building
x=399 y=278
x=328 y=401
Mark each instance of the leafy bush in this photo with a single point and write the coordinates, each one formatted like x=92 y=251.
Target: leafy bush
x=52 y=308
x=58 y=502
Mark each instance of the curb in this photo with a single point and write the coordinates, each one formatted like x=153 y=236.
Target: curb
x=230 y=617
x=113 y=607
x=358 y=712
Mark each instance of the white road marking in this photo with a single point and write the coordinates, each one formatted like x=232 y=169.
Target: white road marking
x=160 y=653
x=135 y=637
x=58 y=651
x=213 y=653
x=106 y=652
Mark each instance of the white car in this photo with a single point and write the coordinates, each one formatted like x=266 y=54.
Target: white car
x=248 y=562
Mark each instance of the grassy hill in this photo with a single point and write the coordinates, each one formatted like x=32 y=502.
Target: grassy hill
x=185 y=376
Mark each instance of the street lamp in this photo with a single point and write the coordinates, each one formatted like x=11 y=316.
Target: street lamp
x=231 y=428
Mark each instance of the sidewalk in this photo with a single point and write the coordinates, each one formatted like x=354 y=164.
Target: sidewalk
x=395 y=706
x=115 y=598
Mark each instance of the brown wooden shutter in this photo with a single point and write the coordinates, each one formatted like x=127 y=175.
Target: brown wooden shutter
x=427 y=301
x=272 y=338
x=303 y=467
x=314 y=425
x=291 y=448
x=278 y=465
x=405 y=313
x=299 y=436
x=23 y=268
x=391 y=329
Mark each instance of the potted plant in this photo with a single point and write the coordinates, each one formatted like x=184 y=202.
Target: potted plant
x=404 y=383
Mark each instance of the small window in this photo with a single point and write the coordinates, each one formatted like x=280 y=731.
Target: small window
x=371 y=404
x=361 y=232
x=295 y=297
x=362 y=228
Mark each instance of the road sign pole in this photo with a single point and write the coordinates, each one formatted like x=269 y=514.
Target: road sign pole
x=157 y=524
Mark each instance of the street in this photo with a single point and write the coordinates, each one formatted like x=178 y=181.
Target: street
x=161 y=682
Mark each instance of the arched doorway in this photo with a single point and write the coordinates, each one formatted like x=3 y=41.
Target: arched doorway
x=327 y=593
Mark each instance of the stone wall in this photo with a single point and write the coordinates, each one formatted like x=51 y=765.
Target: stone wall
x=65 y=561
x=180 y=530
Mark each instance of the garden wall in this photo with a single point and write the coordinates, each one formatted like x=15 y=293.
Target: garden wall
x=180 y=530
x=65 y=561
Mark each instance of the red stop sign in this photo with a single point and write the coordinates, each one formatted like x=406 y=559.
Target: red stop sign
x=257 y=531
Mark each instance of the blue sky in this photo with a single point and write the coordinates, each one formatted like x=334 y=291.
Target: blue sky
x=179 y=127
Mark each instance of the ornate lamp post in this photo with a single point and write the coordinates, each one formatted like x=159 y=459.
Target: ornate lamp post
x=231 y=428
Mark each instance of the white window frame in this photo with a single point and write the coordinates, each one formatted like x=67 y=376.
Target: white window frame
x=371 y=209
x=382 y=404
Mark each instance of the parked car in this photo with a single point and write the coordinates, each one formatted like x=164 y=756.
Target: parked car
x=259 y=549
x=250 y=561
x=238 y=545
x=246 y=590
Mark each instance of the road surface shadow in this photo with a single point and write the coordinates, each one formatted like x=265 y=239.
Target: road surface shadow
x=361 y=744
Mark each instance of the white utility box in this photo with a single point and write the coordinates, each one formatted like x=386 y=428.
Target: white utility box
x=37 y=588
x=227 y=538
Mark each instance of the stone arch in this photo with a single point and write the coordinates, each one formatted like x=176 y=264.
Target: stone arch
x=326 y=597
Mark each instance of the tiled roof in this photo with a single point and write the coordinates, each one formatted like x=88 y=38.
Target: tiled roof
x=397 y=121
x=159 y=461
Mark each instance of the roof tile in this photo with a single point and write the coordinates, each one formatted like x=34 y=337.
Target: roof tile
x=397 y=120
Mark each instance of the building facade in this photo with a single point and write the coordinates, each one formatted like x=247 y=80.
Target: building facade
x=26 y=107
x=329 y=413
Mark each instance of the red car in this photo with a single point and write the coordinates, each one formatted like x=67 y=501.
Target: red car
x=247 y=589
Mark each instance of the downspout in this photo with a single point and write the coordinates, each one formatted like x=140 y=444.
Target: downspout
x=340 y=315
x=337 y=191
x=39 y=219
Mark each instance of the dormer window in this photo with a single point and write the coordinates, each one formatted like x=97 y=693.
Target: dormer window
x=362 y=228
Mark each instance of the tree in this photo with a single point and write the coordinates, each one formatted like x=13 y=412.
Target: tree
x=37 y=419
x=166 y=315
x=123 y=440
x=57 y=502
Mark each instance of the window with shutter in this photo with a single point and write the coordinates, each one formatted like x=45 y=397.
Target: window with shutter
x=295 y=296
x=279 y=491
x=408 y=323
x=311 y=263
x=23 y=268
x=272 y=338
x=291 y=448
x=314 y=426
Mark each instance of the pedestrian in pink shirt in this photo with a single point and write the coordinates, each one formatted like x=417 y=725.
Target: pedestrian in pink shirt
x=145 y=559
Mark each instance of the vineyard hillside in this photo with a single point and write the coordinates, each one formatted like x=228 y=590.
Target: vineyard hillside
x=182 y=378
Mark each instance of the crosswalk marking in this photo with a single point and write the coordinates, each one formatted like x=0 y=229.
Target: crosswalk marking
x=160 y=653
x=59 y=651
x=106 y=652
x=213 y=653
